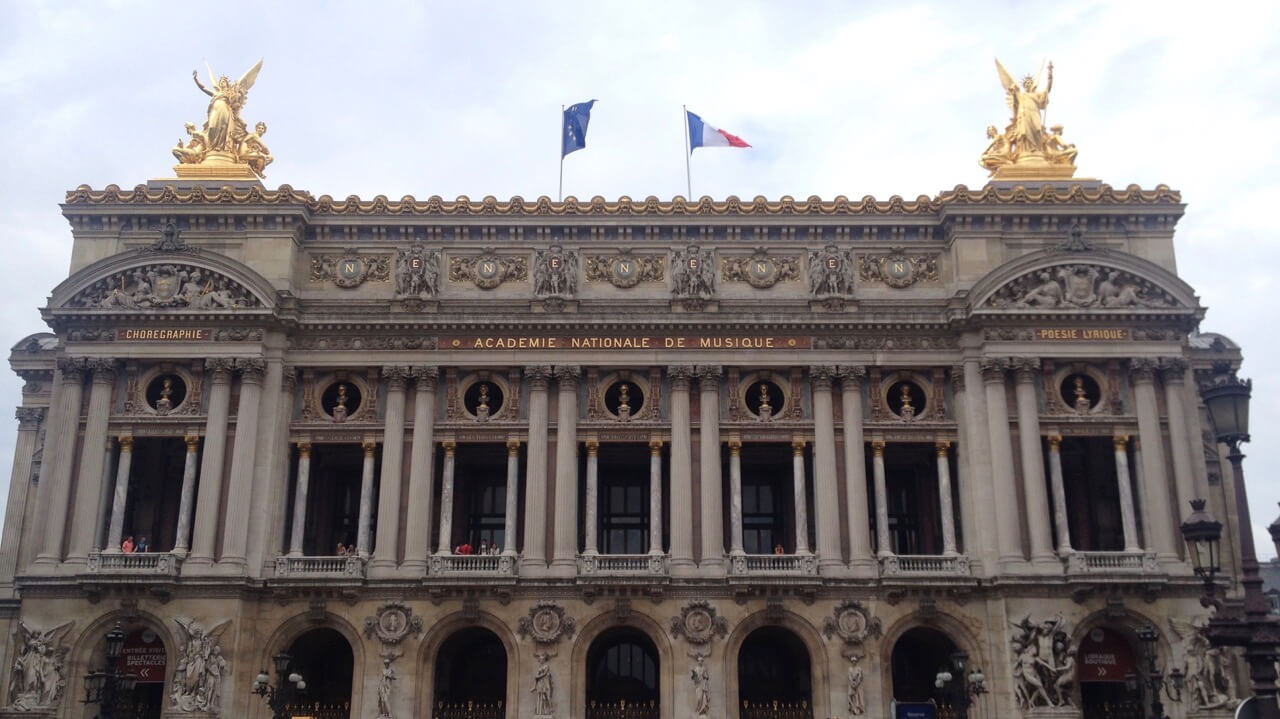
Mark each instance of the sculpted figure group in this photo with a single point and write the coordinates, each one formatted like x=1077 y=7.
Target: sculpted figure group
x=197 y=680
x=1025 y=141
x=224 y=137
x=1044 y=664
x=38 y=677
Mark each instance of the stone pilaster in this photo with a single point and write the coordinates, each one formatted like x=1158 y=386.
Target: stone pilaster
x=1156 y=488
x=54 y=493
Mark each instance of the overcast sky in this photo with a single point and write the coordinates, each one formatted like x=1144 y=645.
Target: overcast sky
x=837 y=98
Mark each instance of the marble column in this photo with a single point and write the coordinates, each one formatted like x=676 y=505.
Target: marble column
x=944 y=498
x=564 y=560
x=89 y=485
x=735 y=497
x=300 y=490
x=965 y=529
x=798 y=496
x=417 y=531
x=712 y=561
x=54 y=493
x=1036 y=504
x=882 y=499
x=655 y=496
x=1173 y=371
x=534 y=554
x=681 y=499
x=187 y=498
x=1125 y=489
x=1059 y=495
x=855 y=470
x=387 y=553
x=512 y=498
x=1156 y=487
x=235 y=533
x=825 y=483
x=445 y=541
x=20 y=487
x=115 y=530
x=364 y=527
x=1008 y=534
x=209 y=496
x=592 y=498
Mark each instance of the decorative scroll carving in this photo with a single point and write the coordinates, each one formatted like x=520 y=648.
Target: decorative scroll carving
x=831 y=272
x=39 y=670
x=487 y=270
x=197 y=681
x=417 y=272
x=760 y=270
x=898 y=269
x=170 y=243
x=887 y=342
x=1044 y=668
x=625 y=269
x=1079 y=286
x=350 y=269
x=363 y=342
x=547 y=623
x=392 y=623
x=1210 y=671
x=555 y=272
x=698 y=623
x=693 y=273
x=167 y=286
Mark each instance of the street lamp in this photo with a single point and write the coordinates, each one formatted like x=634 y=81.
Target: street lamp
x=973 y=684
x=1155 y=680
x=109 y=688
x=281 y=695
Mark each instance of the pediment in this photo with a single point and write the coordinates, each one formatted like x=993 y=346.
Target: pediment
x=165 y=286
x=1081 y=285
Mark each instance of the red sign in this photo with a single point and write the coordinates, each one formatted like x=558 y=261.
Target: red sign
x=144 y=656
x=1104 y=656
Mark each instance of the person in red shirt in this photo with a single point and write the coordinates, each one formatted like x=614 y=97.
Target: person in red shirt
x=127 y=545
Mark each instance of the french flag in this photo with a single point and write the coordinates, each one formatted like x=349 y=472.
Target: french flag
x=702 y=134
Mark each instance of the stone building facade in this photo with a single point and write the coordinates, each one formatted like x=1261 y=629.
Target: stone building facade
x=603 y=459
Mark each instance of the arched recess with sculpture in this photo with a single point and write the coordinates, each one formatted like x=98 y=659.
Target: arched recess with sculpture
x=149 y=651
x=325 y=652
x=470 y=663
x=617 y=657
x=776 y=656
x=921 y=646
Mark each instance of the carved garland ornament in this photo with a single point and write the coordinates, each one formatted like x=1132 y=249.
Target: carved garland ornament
x=760 y=270
x=625 y=270
x=166 y=286
x=852 y=622
x=698 y=623
x=487 y=270
x=546 y=623
x=1080 y=286
x=392 y=623
x=350 y=269
x=897 y=269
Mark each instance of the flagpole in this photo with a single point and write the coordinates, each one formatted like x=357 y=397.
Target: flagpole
x=688 y=178
x=560 y=191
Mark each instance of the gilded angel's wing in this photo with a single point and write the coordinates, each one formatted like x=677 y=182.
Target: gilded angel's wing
x=213 y=79
x=246 y=82
x=1006 y=80
x=1039 y=77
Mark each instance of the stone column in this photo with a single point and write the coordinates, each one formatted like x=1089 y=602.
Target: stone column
x=1156 y=487
x=89 y=485
x=592 y=498
x=655 y=496
x=534 y=555
x=386 y=553
x=102 y=519
x=944 y=498
x=976 y=453
x=1006 y=492
x=20 y=486
x=445 y=543
x=417 y=531
x=825 y=484
x=735 y=497
x=965 y=531
x=1127 y=520
x=54 y=493
x=298 y=530
x=364 y=527
x=709 y=450
x=235 y=533
x=1027 y=372
x=187 y=499
x=882 y=499
x=564 y=561
x=115 y=531
x=209 y=496
x=798 y=496
x=855 y=471
x=512 y=497
x=1174 y=372
x=1059 y=495
x=681 y=501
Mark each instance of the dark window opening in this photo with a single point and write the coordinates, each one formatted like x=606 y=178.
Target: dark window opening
x=773 y=666
x=622 y=672
x=1092 y=493
x=155 y=491
x=918 y=656
x=333 y=499
x=324 y=659
x=623 y=498
x=911 y=487
x=480 y=497
x=768 y=500
x=471 y=669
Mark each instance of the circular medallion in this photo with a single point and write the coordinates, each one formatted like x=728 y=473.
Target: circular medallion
x=351 y=269
x=487 y=268
x=898 y=271
x=624 y=272
x=761 y=272
x=851 y=623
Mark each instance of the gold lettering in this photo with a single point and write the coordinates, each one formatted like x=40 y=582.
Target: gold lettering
x=488 y=268
x=624 y=268
x=762 y=268
x=349 y=267
x=900 y=268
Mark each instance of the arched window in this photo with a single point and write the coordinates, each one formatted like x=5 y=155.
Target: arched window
x=622 y=675
x=324 y=659
x=774 y=675
x=470 y=676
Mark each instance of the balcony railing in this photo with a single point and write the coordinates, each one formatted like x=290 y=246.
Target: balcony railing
x=622 y=565
x=472 y=565
x=924 y=565
x=1112 y=563
x=782 y=565
x=157 y=563
x=305 y=567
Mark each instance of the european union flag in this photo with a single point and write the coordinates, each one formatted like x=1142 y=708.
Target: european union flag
x=574 y=135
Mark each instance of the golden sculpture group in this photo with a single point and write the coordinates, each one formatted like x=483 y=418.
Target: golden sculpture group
x=224 y=147
x=1025 y=149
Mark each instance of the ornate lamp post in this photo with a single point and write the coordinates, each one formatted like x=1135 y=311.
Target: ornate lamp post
x=281 y=695
x=109 y=688
x=1155 y=679
x=962 y=692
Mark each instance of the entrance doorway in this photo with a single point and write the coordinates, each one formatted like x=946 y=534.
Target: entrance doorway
x=1105 y=659
x=622 y=675
x=323 y=657
x=774 y=676
x=144 y=656
x=918 y=655
x=470 y=676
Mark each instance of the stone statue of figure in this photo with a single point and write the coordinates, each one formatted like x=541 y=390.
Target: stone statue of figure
x=543 y=690
x=1025 y=141
x=224 y=138
x=766 y=410
x=701 y=686
x=340 y=404
x=197 y=681
x=856 y=704
x=1082 y=398
x=254 y=151
x=482 y=402
x=997 y=153
x=1028 y=103
x=37 y=680
x=907 y=411
x=624 y=400
x=384 y=687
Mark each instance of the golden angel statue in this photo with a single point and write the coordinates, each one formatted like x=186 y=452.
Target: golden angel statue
x=224 y=147
x=1025 y=149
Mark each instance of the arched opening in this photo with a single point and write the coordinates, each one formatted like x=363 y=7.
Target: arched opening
x=1105 y=669
x=622 y=675
x=143 y=655
x=470 y=676
x=324 y=659
x=918 y=656
x=774 y=676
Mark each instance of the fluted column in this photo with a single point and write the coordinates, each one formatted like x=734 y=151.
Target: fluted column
x=1173 y=372
x=855 y=470
x=301 y=487
x=115 y=531
x=209 y=496
x=387 y=552
x=445 y=541
x=655 y=496
x=943 y=449
x=364 y=533
x=534 y=555
x=882 y=499
x=976 y=484
x=417 y=531
x=798 y=496
x=712 y=561
x=735 y=497
x=89 y=485
x=106 y=496
x=20 y=486
x=1027 y=371
x=512 y=497
x=565 y=560
x=1006 y=492
x=825 y=484
x=1059 y=495
x=1156 y=485
x=592 y=497
x=54 y=493
x=1125 y=488
x=235 y=533
x=187 y=498
x=681 y=500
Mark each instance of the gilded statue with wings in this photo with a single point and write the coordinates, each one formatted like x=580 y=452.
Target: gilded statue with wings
x=224 y=147
x=1025 y=149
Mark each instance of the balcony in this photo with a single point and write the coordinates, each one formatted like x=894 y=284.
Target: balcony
x=157 y=564
x=1112 y=563
x=622 y=565
x=335 y=567
x=773 y=565
x=472 y=565
x=925 y=565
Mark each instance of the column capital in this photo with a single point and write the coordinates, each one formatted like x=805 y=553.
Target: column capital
x=735 y=445
x=1120 y=441
x=943 y=447
x=219 y=368
x=539 y=375
x=424 y=376
x=29 y=417
x=994 y=369
x=709 y=376
x=851 y=376
x=1055 y=441
x=1143 y=369
x=369 y=446
x=126 y=442
x=877 y=447
x=397 y=377
x=72 y=369
x=513 y=447
x=822 y=376
x=304 y=448
x=103 y=369
x=1026 y=369
x=192 y=441
x=957 y=377
x=681 y=375
x=797 y=447
x=593 y=447
x=449 y=446
x=655 y=446
x=251 y=369
x=567 y=375
x=1173 y=369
